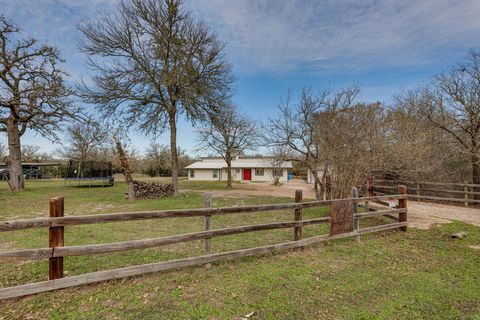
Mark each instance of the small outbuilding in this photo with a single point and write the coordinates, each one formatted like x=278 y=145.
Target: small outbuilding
x=244 y=168
x=31 y=170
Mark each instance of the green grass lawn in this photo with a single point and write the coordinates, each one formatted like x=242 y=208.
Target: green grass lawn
x=421 y=274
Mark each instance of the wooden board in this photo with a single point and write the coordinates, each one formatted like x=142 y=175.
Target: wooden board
x=130 y=216
x=56 y=239
x=443 y=198
x=297 y=233
x=93 y=277
x=43 y=253
x=341 y=217
x=425 y=182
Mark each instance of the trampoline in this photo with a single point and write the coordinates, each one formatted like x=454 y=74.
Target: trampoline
x=91 y=172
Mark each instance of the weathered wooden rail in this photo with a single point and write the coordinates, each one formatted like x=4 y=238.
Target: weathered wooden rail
x=431 y=191
x=57 y=251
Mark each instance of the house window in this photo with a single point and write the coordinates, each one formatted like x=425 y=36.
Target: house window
x=215 y=173
x=237 y=171
x=259 y=172
x=192 y=173
x=278 y=172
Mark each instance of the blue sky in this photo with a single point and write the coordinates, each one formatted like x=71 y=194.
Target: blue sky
x=276 y=45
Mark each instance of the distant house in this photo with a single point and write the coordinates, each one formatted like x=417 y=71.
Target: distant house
x=244 y=168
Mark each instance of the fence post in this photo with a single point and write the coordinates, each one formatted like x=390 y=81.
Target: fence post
x=56 y=239
x=370 y=186
x=208 y=204
x=356 y=221
x=465 y=189
x=402 y=204
x=298 y=215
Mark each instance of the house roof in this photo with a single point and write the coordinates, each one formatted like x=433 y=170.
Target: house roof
x=241 y=162
x=34 y=164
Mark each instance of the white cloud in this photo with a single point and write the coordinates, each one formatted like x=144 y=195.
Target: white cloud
x=319 y=37
x=55 y=22
x=277 y=36
x=281 y=36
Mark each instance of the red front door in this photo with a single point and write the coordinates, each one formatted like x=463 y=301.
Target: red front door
x=247 y=174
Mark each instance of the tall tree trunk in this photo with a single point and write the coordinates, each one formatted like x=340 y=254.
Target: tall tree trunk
x=316 y=184
x=127 y=170
x=228 y=157
x=14 y=159
x=173 y=150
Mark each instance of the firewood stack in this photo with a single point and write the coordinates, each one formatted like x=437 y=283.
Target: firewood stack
x=146 y=190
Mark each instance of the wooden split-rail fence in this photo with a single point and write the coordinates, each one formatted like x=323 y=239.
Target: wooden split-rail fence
x=343 y=219
x=456 y=193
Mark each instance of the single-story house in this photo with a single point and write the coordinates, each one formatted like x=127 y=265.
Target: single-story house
x=244 y=168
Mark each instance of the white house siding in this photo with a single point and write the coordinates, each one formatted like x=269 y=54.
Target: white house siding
x=310 y=178
x=267 y=177
x=207 y=175
x=204 y=169
x=203 y=175
x=236 y=175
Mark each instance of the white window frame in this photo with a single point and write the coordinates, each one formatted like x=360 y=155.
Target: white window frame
x=259 y=172
x=215 y=173
x=192 y=173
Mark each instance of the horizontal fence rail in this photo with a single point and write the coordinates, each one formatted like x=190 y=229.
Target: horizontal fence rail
x=404 y=182
x=465 y=193
x=144 y=215
x=43 y=253
x=57 y=251
x=430 y=190
x=94 y=277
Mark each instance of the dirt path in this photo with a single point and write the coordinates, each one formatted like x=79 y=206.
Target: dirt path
x=423 y=215
x=267 y=189
x=420 y=214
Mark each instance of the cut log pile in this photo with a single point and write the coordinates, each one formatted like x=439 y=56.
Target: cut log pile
x=146 y=190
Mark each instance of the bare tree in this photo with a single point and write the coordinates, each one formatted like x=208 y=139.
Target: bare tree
x=33 y=94
x=159 y=156
x=85 y=140
x=227 y=133
x=418 y=151
x=276 y=164
x=353 y=143
x=30 y=153
x=184 y=160
x=125 y=162
x=295 y=129
x=125 y=159
x=157 y=160
x=451 y=103
x=162 y=63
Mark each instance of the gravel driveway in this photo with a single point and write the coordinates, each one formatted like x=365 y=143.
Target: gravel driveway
x=421 y=215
